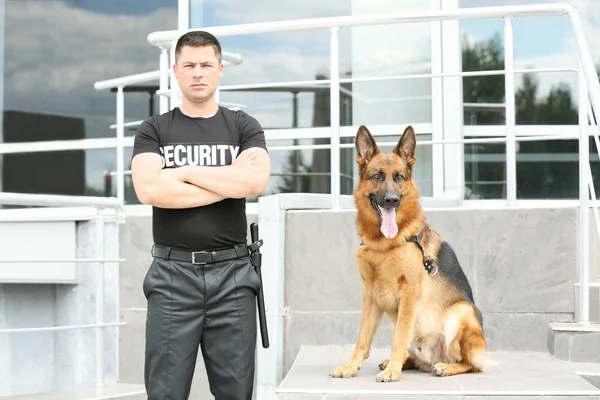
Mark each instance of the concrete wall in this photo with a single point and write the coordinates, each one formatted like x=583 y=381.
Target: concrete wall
x=32 y=362
x=522 y=265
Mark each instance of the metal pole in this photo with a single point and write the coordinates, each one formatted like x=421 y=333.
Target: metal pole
x=173 y=81
x=335 y=117
x=509 y=90
x=100 y=300
x=120 y=144
x=584 y=241
x=164 y=80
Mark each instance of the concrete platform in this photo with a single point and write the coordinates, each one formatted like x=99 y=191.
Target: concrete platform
x=518 y=375
x=112 y=391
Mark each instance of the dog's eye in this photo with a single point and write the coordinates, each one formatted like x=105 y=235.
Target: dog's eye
x=398 y=177
x=376 y=176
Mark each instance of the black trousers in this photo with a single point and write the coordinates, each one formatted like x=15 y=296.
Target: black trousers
x=212 y=307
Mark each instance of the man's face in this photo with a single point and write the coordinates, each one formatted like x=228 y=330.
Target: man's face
x=198 y=72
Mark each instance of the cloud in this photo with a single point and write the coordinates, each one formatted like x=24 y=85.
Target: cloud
x=236 y=12
x=299 y=56
x=54 y=52
x=58 y=51
x=564 y=53
x=569 y=56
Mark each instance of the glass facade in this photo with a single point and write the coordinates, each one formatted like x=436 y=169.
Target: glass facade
x=365 y=52
x=54 y=51
x=546 y=102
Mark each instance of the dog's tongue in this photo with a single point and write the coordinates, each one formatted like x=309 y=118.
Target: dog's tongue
x=389 y=228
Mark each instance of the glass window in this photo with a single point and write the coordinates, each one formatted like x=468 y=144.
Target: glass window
x=53 y=52
x=365 y=52
x=546 y=102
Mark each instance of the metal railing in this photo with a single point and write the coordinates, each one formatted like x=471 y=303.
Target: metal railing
x=589 y=90
x=589 y=105
x=101 y=204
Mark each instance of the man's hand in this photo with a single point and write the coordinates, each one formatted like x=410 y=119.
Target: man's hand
x=165 y=188
x=247 y=176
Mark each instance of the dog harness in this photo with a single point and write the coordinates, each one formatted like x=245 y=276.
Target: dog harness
x=428 y=262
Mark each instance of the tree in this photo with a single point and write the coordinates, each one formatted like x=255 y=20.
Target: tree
x=296 y=180
x=534 y=179
x=485 y=56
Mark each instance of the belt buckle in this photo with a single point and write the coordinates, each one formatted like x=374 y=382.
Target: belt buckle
x=200 y=253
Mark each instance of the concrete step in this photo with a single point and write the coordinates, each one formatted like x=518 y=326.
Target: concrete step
x=572 y=341
x=523 y=374
x=109 y=391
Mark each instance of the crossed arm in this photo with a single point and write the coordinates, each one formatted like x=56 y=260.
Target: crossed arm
x=195 y=186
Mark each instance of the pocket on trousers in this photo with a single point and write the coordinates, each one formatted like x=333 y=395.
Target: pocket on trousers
x=146 y=282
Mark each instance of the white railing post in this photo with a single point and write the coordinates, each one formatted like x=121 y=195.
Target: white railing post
x=100 y=299
x=164 y=79
x=584 y=238
x=509 y=90
x=174 y=101
x=334 y=105
x=120 y=144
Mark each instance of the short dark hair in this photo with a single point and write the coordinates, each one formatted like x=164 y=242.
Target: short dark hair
x=198 y=39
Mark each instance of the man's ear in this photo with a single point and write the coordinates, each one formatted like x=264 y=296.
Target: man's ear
x=406 y=146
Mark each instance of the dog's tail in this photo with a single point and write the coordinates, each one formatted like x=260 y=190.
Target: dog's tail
x=482 y=360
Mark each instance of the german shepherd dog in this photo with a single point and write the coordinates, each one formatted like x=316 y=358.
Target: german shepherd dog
x=409 y=273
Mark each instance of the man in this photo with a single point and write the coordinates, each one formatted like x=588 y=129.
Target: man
x=195 y=165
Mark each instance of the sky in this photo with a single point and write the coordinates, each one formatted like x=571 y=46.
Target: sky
x=541 y=42
x=55 y=50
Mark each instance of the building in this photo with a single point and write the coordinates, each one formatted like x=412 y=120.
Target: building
x=59 y=133
x=546 y=103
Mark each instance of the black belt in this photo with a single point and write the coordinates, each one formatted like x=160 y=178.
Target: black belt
x=200 y=257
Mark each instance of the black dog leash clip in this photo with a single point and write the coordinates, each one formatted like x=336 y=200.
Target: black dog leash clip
x=428 y=262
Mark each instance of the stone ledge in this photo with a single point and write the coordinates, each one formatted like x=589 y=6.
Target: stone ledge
x=517 y=373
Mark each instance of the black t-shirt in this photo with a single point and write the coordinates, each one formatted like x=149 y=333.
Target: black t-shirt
x=182 y=140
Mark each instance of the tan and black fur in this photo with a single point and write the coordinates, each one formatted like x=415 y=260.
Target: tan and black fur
x=437 y=328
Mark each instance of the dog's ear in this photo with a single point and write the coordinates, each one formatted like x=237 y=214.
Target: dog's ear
x=406 y=146
x=366 y=148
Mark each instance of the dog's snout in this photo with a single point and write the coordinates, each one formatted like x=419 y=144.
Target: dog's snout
x=391 y=199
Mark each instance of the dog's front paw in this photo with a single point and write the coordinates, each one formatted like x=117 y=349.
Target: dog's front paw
x=440 y=369
x=345 y=371
x=383 y=364
x=389 y=375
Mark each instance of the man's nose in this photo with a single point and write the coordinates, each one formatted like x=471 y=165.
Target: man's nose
x=197 y=71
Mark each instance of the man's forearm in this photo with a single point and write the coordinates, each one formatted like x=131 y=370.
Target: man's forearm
x=168 y=192
x=234 y=181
